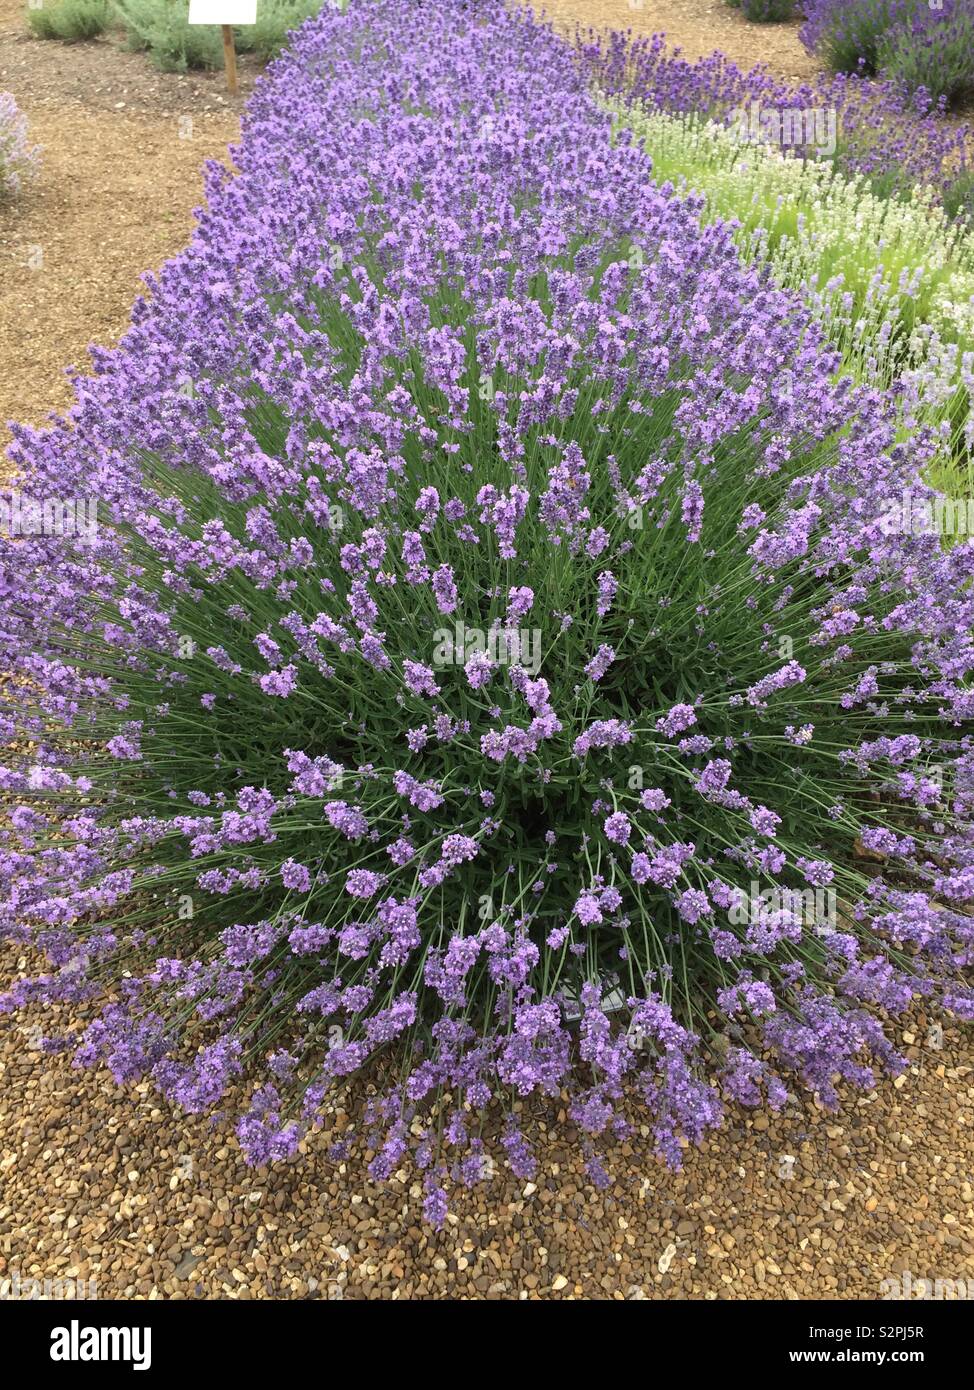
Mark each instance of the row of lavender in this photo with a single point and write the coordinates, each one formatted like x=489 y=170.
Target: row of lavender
x=490 y=657
x=895 y=137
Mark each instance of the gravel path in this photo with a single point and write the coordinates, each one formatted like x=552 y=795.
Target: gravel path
x=96 y=1184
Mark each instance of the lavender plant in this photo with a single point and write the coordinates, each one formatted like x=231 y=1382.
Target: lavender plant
x=933 y=51
x=926 y=47
x=162 y=30
x=767 y=11
x=497 y=652
x=174 y=45
x=275 y=20
x=847 y=34
x=18 y=158
x=70 y=21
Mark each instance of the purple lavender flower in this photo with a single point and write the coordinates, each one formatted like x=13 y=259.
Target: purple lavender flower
x=18 y=159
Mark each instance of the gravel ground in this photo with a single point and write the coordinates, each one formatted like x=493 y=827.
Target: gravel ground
x=97 y=1184
x=105 y=1186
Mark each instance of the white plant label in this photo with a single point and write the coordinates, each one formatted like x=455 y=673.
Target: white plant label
x=235 y=12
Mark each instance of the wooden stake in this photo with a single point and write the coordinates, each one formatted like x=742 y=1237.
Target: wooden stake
x=230 y=59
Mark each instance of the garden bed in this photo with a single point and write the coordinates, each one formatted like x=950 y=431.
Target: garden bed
x=99 y=1185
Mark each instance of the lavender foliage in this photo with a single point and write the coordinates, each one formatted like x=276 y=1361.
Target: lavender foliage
x=925 y=45
x=933 y=51
x=848 y=34
x=767 y=11
x=496 y=658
